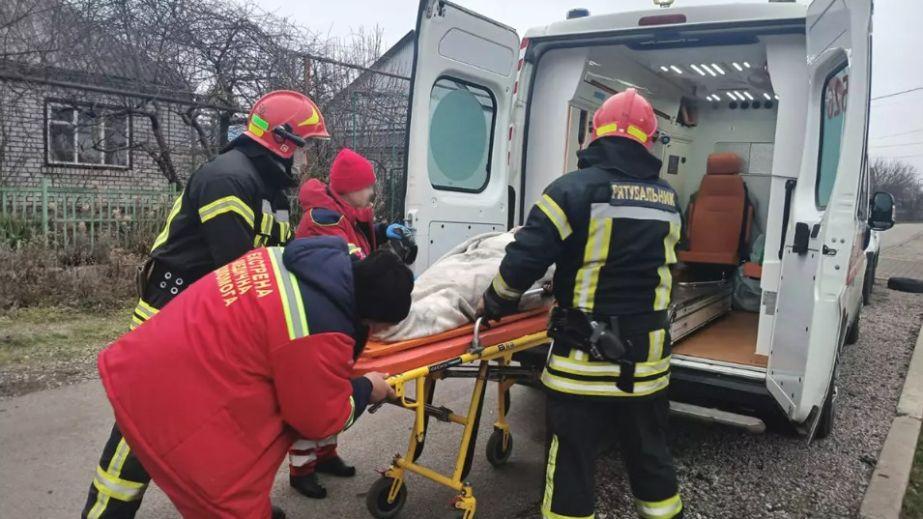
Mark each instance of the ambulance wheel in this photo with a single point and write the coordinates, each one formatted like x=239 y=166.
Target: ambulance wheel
x=852 y=333
x=869 y=282
x=827 y=414
x=496 y=454
x=377 y=499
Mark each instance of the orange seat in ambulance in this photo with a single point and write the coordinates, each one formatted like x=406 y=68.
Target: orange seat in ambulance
x=718 y=222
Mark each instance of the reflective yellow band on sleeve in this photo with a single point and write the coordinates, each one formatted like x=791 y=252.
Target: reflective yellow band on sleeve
x=504 y=290
x=666 y=509
x=296 y=321
x=228 y=204
x=165 y=233
x=554 y=213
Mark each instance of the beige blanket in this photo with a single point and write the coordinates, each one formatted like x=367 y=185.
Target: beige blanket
x=446 y=295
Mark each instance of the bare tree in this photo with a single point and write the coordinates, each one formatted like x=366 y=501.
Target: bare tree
x=903 y=181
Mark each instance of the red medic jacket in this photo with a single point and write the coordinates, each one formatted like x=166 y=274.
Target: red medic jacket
x=326 y=214
x=211 y=392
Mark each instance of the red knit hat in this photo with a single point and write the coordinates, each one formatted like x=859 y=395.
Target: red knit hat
x=350 y=172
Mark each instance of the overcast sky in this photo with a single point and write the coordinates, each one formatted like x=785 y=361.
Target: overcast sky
x=897 y=122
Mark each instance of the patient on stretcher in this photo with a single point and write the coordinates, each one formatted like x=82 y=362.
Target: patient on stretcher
x=446 y=295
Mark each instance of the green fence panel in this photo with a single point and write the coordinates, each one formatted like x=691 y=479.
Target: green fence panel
x=66 y=216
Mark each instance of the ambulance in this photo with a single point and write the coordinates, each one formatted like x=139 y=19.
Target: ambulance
x=763 y=115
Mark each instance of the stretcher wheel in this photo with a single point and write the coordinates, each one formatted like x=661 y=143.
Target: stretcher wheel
x=496 y=454
x=376 y=501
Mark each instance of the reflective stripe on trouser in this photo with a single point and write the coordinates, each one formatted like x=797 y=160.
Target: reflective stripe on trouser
x=579 y=425
x=572 y=372
x=120 y=480
x=119 y=484
x=304 y=455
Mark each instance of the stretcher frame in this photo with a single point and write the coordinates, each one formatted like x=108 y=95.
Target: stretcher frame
x=387 y=496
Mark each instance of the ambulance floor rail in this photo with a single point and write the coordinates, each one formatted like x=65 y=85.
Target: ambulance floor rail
x=387 y=496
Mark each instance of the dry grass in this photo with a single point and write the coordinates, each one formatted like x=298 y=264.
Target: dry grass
x=46 y=347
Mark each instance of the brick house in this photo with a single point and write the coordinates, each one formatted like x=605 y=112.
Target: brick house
x=78 y=134
x=77 y=120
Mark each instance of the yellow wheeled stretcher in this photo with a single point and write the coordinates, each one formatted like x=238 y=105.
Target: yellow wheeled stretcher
x=420 y=363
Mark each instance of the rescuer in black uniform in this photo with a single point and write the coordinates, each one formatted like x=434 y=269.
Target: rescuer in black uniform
x=232 y=204
x=611 y=228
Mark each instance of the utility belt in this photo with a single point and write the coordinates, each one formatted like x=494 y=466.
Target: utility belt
x=604 y=338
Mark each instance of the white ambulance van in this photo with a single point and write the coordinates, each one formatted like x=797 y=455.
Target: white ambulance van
x=763 y=110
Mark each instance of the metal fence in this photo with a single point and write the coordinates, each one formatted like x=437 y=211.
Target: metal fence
x=66 y=216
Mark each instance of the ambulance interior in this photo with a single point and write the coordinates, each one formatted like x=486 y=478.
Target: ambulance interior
x=718 y=109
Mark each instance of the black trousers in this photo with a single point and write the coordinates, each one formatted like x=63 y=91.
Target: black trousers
x=121 y=480
x=578 y=426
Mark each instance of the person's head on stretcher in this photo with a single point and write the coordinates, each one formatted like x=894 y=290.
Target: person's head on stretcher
x=245 y=361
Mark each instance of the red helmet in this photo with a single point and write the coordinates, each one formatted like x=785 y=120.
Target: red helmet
x=628 y=115
x=284 y=119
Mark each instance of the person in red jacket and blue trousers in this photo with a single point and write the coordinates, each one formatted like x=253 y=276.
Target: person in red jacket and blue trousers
x=342 y=209
x=211 y=392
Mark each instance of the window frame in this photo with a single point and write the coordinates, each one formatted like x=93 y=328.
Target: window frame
x=844 y=64
x=75 y=105
x=490 y=139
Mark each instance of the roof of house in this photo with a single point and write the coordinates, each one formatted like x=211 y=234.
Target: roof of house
x=380 y=63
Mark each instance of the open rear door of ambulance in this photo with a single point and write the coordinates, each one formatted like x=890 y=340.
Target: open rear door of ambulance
x=460 y=104
x=818 y=257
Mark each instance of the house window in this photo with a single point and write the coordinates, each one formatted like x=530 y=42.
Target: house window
x=87 y=135
x=460 y=135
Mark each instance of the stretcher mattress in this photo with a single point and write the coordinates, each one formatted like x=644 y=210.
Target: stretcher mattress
x=397 y=357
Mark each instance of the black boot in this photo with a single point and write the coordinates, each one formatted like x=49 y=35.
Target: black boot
x=336 y=467
x=277 y=513
x=308 y=486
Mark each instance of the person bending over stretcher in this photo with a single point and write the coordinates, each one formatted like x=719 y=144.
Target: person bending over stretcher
x=343 y=209
x=211 y=392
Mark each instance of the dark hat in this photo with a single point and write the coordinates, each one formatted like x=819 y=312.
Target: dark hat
x=383 y=286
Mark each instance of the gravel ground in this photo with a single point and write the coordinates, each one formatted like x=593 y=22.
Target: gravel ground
x=725 y=472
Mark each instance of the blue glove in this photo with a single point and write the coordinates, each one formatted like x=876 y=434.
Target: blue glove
x=397 y=231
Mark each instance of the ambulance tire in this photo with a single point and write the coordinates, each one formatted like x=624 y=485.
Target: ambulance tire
x=852 y=333
x=828 y=413
x=496 y=454
x=869 y=282
x=914 y=286
x=376 y=501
